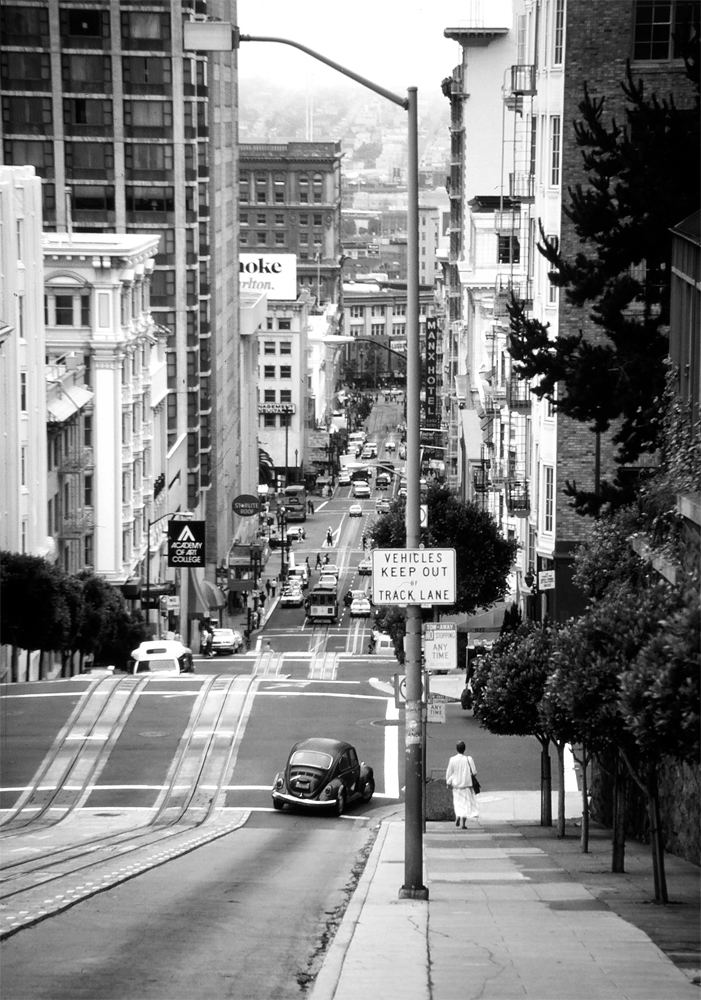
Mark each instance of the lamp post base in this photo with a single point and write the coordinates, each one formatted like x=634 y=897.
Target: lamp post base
x=416 y=892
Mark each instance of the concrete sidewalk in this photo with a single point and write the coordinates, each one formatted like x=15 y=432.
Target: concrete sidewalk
x=512 y=913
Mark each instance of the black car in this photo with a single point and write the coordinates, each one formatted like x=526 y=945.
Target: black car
x=323 y=773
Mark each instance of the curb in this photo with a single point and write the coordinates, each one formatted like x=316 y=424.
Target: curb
x=328 y=978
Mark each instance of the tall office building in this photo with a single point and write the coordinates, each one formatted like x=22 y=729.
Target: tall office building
x=119 y=122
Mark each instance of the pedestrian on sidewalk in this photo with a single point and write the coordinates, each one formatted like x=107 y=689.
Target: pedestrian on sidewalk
x=273 y=587
x=308 y=565
x=461 y=769
x=267 y=587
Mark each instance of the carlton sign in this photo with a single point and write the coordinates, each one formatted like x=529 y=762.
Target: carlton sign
x=272 y=273
x=413 y=576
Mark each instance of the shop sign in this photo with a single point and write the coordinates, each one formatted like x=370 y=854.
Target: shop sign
x=186 y=543
x=246 y=505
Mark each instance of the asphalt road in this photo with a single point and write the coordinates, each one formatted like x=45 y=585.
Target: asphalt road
x=169 y=875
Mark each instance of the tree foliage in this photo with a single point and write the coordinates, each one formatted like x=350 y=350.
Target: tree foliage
x=484 y=557
x=642 y=179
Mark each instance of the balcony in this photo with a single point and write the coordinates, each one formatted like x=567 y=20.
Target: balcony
x=76 y=525
x=517 y=498
x=522 y=185
x=523 y=79
x=76 y=461
x=507 y=220
x=518 y=394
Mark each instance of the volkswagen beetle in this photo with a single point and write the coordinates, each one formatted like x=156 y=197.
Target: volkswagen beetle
x=323 y=773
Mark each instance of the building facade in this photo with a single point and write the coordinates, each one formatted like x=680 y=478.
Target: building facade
x=106 y=104
x=290 y=202
x=23 y=415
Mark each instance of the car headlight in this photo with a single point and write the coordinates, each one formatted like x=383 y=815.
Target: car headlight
x=278 y=782
x=328 y=791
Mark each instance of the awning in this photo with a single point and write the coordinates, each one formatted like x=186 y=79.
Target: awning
x=213 y=594
x=197 y=601
x=70 y=401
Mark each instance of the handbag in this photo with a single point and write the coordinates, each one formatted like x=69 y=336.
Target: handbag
x=476 y=787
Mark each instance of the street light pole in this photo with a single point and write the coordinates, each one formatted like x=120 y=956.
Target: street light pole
x=202 y=36
x=186 y=515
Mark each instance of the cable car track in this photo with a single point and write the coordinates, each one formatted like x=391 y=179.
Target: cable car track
x=188 y=801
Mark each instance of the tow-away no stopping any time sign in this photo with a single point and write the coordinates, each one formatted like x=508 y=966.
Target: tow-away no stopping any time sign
x=413 y=576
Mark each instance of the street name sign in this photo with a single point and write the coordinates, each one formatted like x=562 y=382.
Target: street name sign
x=186 y=543
x=413 y=576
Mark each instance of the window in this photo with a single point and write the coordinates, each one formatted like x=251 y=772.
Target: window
x=279 y=188
x=84 y=69
x=377 y=329
x=285 y=346
x=84 y=111
x=261 y=188
x=64 y=310
x=318 y=220
x=23 y=23
x=148 y=114
x=304 y=239
x=29 y=67
x=84 y=157
x=150 y=199
x=663 y=30
x=243 y=239
x=555 y=139
x=378 y=310
x=399 y=330
x=318 y=187
x=85 y=23
x=269 y=395
x=279 y=219
x=144 y=25
x=280 y=239
x=261 y=218
x=285 y=371
x=304 y=219
x=243 y=189
x=23 y=465
x=269 y=420
x=146 y=71
x=87 y=430
x=549 y=497
x=269 y=371
x=558 y=32
x=22 y=114
x=284 y=324
x=148 y=156
x=509 y=249
x=268 y=347
x=399 y=309
x=303 y=188
x=87 y=491
x=356 y=312
x=285 y=419
x=23 y=392
x=261 y=238
x=243 y=219
x=285 y=395
x=37 y=154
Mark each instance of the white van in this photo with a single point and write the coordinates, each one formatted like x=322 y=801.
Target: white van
x=383 y=645
x=161 y=656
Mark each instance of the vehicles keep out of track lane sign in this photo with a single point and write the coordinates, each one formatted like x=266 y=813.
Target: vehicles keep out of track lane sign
x=413 y=576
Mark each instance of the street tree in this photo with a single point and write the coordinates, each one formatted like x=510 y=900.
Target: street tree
x=508 y=685
x=33 y=611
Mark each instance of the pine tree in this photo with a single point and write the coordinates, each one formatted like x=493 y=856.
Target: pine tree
x=642 y=179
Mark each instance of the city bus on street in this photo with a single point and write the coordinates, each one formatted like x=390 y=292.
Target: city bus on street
x=294 y=499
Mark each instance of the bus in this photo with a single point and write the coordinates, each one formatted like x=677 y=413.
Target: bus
x=322 y=604
x=294 y=499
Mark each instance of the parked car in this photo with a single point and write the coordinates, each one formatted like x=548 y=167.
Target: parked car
x=360 y=607
x=323 y=773
x=365 y=566
x=291 y=596
x=226 y=640
x=355 y=510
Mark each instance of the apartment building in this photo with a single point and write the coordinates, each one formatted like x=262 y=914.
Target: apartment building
x=290 y=202
x=131 y=134
x=23 y=414
x=529 y=452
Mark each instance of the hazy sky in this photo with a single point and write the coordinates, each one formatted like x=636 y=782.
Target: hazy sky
x=395 y=43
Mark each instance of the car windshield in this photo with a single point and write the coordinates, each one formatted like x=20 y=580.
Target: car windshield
x=311 y=758
x=160 y=666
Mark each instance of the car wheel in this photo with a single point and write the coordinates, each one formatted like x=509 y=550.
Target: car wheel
x=340 y=802
x=369 y=790
x=277 y=804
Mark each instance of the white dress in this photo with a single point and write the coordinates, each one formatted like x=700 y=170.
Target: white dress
x=459 y=778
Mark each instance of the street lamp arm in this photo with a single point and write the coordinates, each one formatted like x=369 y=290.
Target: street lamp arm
x=403 y=102
x=384 y=347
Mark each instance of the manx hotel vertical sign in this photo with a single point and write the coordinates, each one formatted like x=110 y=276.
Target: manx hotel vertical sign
x=432 y=414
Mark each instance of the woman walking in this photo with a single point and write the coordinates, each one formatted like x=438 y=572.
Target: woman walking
x=461 y=769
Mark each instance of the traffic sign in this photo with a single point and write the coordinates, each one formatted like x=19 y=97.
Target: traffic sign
x=440 y=645
x=436 y=709
x=413 y=576
x=400 y=690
